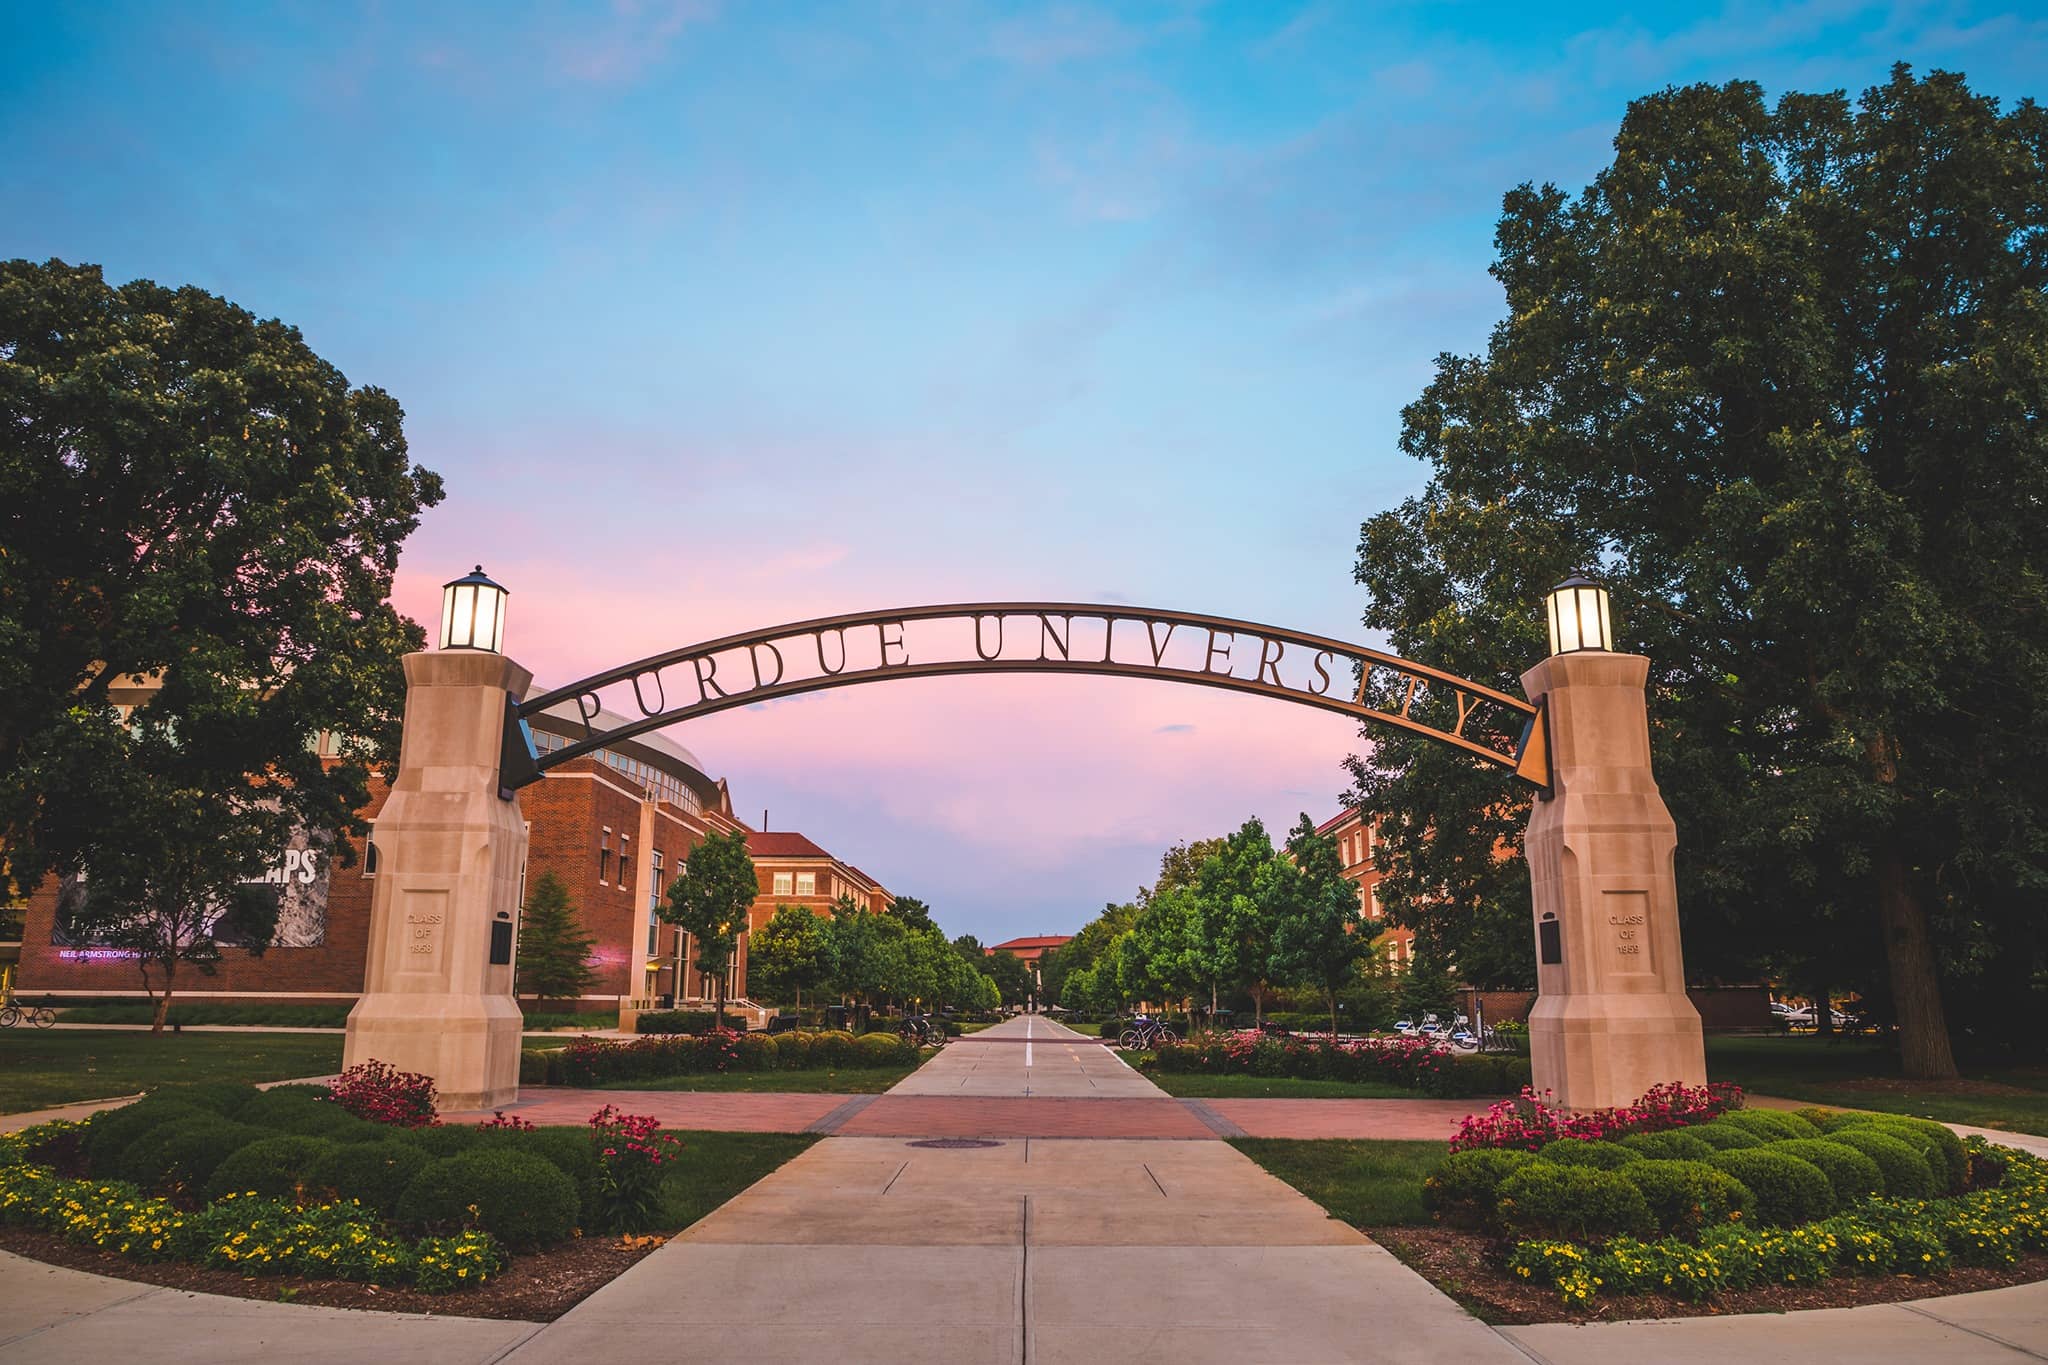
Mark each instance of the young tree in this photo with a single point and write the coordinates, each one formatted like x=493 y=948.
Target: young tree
x=709 y=900
x=1776 y=375
x=192 y=498
x=914 y=913
x=869 y=964
x=1237 y=936
x=1318 y=938
x=554 y=952
x=790 y=954
x=1012 y=978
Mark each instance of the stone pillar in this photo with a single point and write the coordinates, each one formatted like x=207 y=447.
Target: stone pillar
x=449 y=850
x=1612 y=1017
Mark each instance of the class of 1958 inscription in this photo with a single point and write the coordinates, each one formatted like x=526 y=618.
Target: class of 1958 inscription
x=425 y=926
x=1628 y=926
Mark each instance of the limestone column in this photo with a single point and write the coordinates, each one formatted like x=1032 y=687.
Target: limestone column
x=449 y=851
x=1612 y=1017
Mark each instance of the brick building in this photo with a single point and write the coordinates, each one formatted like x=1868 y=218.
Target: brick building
x=1031 y=950
x=614 y=826
x=1357 y=842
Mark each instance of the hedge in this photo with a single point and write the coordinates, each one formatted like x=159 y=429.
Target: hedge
x=676 y=1021
x=1851 y=1175
x=1571 y=1202
x=518 y=1197
x=1783 y=1189
x=1686 y=1197
x=1411 y=1062
x=1992 y=1227
x=595 y=1061
x=1603 y=1156
x=1676 y=1144
x=1906 y=1172
x=1464 y=1187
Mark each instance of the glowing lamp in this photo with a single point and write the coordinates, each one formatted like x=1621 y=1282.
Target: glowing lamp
x=473 y=613
x=1578 y=616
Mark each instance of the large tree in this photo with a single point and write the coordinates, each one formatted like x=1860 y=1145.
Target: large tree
x=197 y=508
x=554 y=950
x=1777 y=375
x=1318 y=936
x=790 y=954
x=709 y=900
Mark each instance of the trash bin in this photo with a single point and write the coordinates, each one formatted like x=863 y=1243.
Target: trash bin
x=838 y=1017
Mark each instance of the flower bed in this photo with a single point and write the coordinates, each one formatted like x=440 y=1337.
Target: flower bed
x=1416 y=1063
x=296 y=1181
x=1530 y=1121
x=595 y=1061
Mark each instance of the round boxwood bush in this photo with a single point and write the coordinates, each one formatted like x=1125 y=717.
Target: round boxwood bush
x=568 y=1150
x=111 y=1131
x=1851 y=1174
x=449 y=1140
x=1945 y=1152
x=1674 y=1144
x=517 y=1197
x=832 y=1048
x=792 y=1051
x=1827 y=1120
x=184 y=1155
x=756 y=1052
x=1784 y=1190
x=273 y=1167
x=1577 y=1203
x=1906 y=1172
x=1771 y=1125
x=220 y=1097
x=375 y=1173
x=884 y=1049
x=1463 y=1187
x=1685 y=1196
x=1603 y=1156
x=1725 y=1137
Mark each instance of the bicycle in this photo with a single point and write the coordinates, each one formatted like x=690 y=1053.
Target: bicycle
x=42 y=1016
x=923 y=1030
x=1145 y=1033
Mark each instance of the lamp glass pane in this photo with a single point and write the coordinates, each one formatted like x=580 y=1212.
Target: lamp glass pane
x=1550 y=617
x=1606 y=625
x=498 y=623
x=486 y=636
x=462 y=630
x=447 y=614
x=1569 y=628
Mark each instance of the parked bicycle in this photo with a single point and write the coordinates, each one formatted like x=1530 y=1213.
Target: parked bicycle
x=1146 y=1033
x=12 y=1013
x=923 y=1029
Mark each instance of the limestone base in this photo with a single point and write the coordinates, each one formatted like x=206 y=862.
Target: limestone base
x=442 y=1035
x=1604 y=1051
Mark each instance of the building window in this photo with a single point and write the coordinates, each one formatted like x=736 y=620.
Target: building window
x=783 y=883
x=625 y=860
x=369 y=858
x=654 y=885
x=1375 y=893
x=604 y=858
x=807 y=883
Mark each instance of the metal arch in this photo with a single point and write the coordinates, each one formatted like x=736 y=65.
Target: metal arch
x=1527 y=760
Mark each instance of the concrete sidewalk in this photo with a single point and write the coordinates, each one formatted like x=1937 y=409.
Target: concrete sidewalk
x=1078 y=1250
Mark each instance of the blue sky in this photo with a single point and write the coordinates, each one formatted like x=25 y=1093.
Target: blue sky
x=723 y=316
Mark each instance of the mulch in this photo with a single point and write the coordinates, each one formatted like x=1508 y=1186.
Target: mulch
x=1467 y=1266
x=538 y=1286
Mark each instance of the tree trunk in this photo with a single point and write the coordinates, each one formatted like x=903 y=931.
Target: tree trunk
x=1212 y=1004
x=163 y=1010
x=1924 y=1050
x=1823 y=1012
x=1331 y=996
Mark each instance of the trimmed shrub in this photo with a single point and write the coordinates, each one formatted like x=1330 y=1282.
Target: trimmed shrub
x=517 y=1197
x=274 y=1168
x=533 y=1065
x=1685 y=1196
x=757 y=1052
x=445 y=1141
x=885 y=1049
x=1851 y=1174
x=1827 y=1120
x=1945 y=1152
x=1576 y=1202
x=1725 y=1137
x=676 y=1021
x=283 y=1104
x=219 y=1097
x=376 y=1173
x=110 y=1132
x=1784 y=1190
x=1603 y=1156
x=793 y=1050
x=1906 y=1172
x=1676 y=1144
x=568 y=1150
x=1772 y=1125
x=832 y=1048
x=1486 y=1073
x=185 y=1154
x=1463 y=1187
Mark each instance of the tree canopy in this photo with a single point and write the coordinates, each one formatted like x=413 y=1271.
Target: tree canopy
x=1776 y=376
x=554 y=949
x=710 y=900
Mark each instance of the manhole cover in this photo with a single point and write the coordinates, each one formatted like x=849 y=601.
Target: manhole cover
x=955 y=1144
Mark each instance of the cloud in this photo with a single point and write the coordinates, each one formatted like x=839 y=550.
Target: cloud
x=1059 y=35
x=634 y=40
x=1177 y=729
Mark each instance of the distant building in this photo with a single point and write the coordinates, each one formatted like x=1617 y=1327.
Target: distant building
x=1030 y=950
x=1357 y=848
x=615 y=826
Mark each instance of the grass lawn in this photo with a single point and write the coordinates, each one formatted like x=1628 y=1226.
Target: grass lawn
x=972 y=1028
x=810 y=1080
x=43 y=1068
x=1092 y=1030
x=1193 y=1086
x=1854 y=1074
x=716 y=1166
x=1367 y=1184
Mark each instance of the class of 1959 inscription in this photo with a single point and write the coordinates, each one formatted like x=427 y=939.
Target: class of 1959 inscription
x=1628 y=924
x=425 y=921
